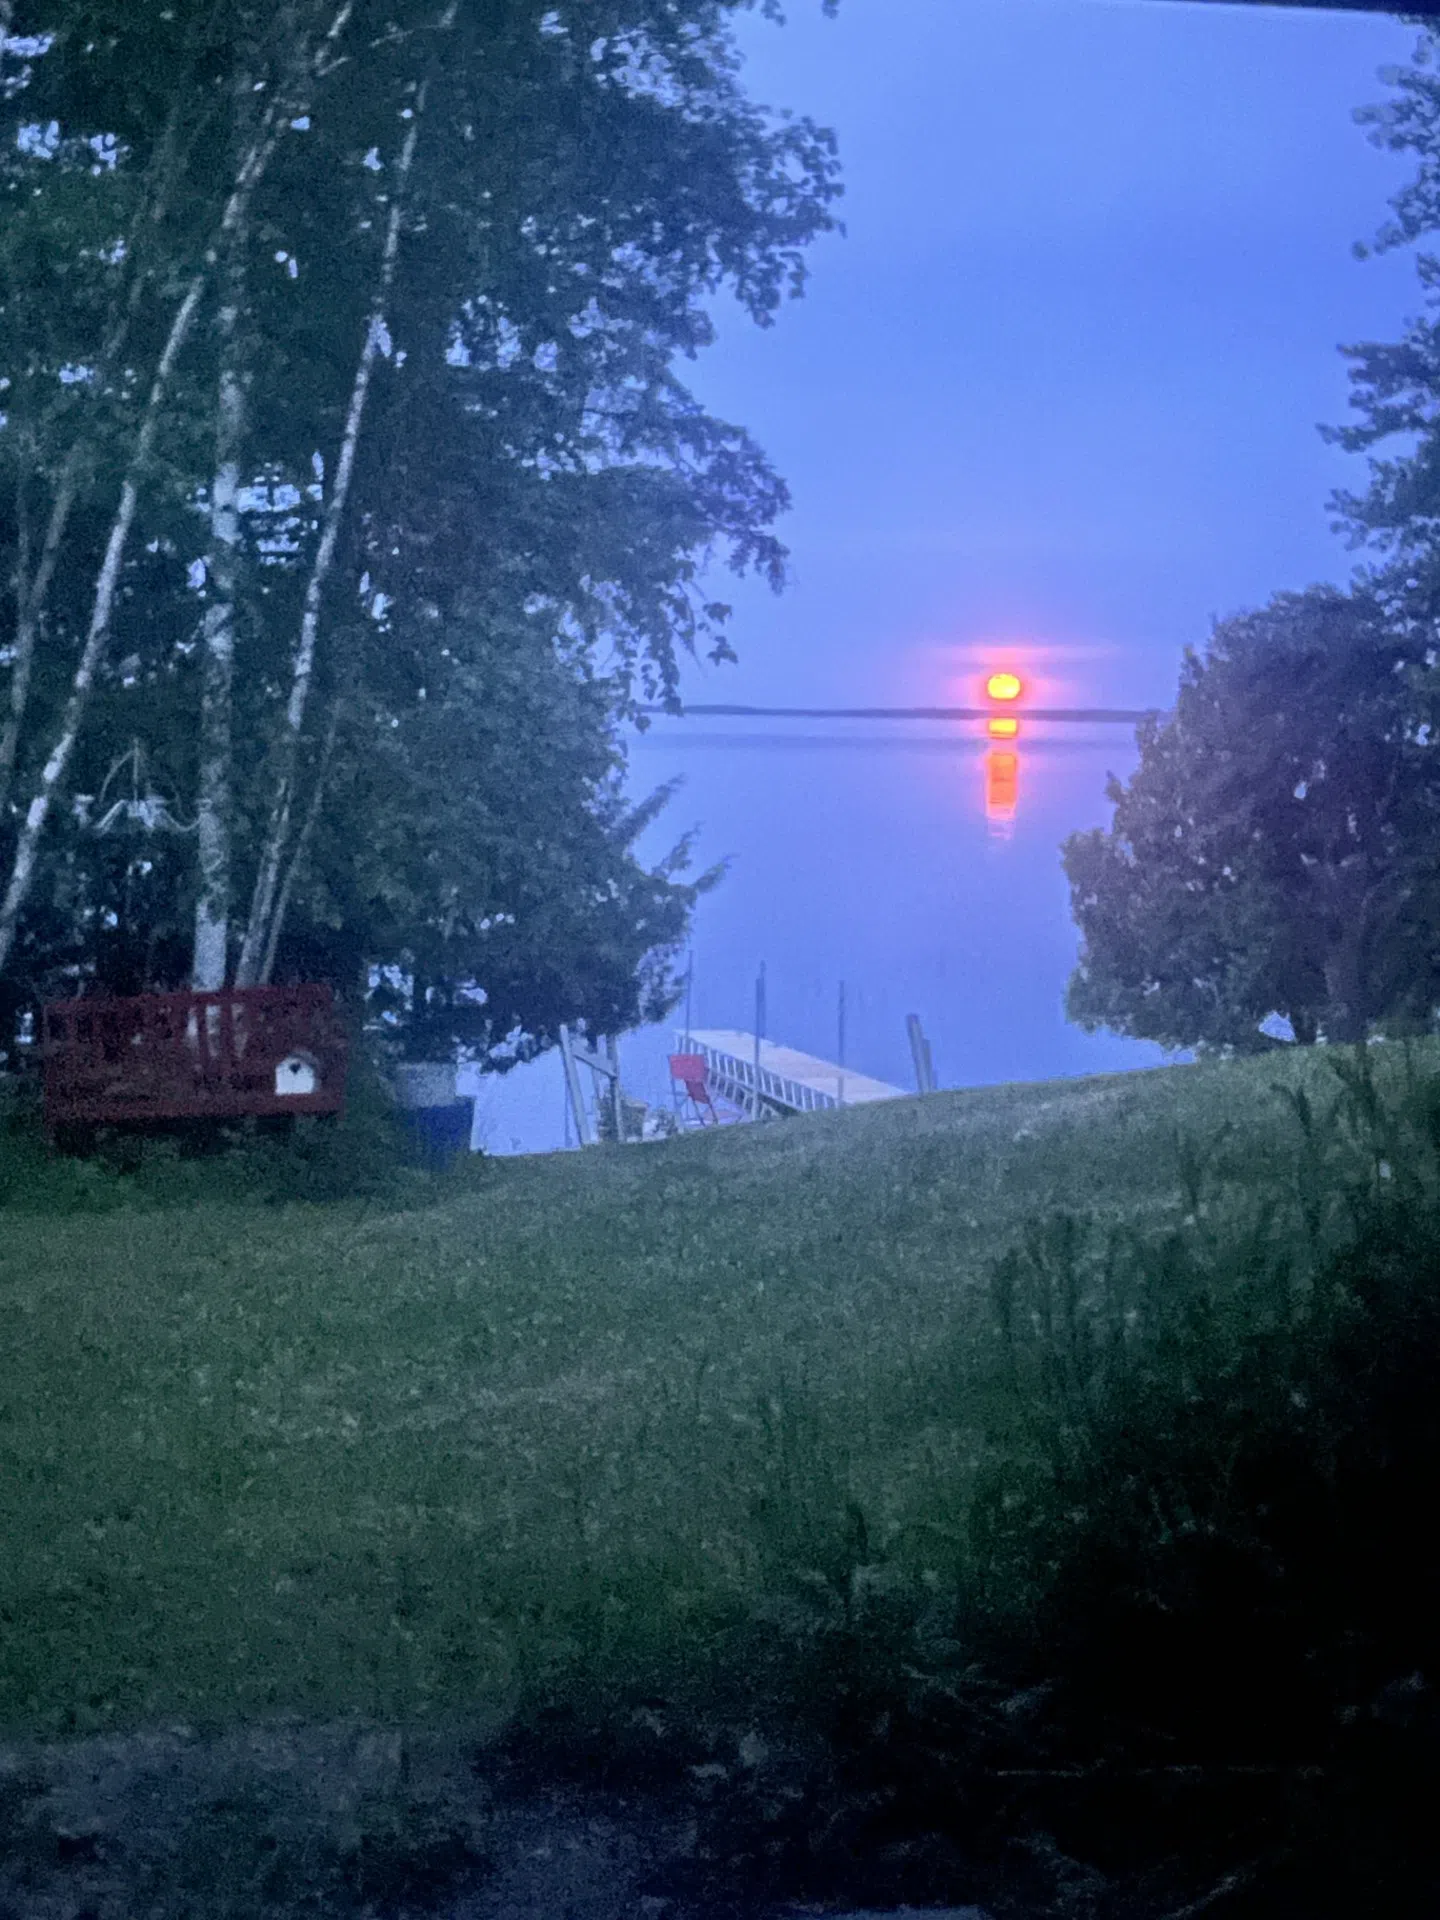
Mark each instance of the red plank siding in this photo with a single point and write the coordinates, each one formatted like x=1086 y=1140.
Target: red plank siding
x=173 y=1056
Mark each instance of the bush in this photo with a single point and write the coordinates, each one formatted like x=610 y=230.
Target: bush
x=1217 y=1479
x=363 y=1154
x=1189 y=1658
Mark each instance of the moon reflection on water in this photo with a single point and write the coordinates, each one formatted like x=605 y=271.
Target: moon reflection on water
x=1002 y=763
x=1002 y=790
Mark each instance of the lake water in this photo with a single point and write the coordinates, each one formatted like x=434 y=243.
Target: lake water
x=877 y=853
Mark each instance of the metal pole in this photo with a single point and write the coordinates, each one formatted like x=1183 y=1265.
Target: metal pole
x=677 y=1099
x=759 y=1031
x=840 y=1086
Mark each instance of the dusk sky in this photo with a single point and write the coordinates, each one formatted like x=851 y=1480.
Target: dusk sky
x=1054 y=398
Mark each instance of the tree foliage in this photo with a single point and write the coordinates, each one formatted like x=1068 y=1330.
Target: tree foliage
x=1395 y=387
x=1277 y=851
x=532 y=499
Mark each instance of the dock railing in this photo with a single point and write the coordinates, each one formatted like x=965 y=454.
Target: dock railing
x=734 y=1079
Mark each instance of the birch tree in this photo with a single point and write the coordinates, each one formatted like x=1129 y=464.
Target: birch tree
x=290 y=98
x=258 y=941
x=215 y=796
x=131 y=265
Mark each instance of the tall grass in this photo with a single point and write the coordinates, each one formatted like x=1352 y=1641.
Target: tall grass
x=1200 y=1538
x=888 y=1420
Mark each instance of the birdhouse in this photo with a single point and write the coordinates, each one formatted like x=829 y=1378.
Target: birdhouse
x=297 y=1073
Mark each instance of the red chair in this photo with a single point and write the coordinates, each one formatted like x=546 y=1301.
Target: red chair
x=689 y=1070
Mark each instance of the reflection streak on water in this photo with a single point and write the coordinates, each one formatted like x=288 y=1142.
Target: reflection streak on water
x=1002 y=790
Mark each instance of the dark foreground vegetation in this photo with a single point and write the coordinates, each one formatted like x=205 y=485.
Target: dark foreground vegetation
x=1025 y=1496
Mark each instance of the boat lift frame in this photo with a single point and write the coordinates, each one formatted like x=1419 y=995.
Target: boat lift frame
x=603 y=1067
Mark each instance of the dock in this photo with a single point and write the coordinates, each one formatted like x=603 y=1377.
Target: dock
x=790 y=1081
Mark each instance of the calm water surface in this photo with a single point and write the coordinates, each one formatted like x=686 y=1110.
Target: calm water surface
x=863 y=853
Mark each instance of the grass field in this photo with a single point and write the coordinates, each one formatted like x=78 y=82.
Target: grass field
x=553 y=1423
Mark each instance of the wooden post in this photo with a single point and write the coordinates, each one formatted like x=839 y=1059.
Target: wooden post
x=920 y=1054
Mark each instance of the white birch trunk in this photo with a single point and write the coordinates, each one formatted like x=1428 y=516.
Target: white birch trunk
x=31 y=600
x=210 y=957
x=251 y=172
x=302 y=847
x=23 y=653
x=257 y=939
x=32 y=593
x=22 y=872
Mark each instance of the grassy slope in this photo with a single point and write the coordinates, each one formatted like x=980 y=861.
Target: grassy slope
x=319 y=1459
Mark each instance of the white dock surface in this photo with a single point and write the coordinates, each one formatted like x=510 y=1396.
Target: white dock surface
x=823 y=1076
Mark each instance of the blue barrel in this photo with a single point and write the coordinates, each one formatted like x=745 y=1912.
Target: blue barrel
x=439 y=1135
x=437 y=1123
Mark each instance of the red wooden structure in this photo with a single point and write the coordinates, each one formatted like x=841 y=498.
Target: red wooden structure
x=179 y=1056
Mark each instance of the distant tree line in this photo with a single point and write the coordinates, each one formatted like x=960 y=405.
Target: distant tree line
x=1272 y=870
x=350 y=498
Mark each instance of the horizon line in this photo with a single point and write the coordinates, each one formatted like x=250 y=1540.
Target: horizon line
x=1115 y=715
